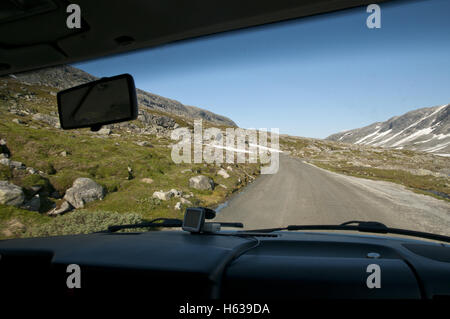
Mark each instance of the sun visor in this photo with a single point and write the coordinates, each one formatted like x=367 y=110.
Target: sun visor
x=20 y=57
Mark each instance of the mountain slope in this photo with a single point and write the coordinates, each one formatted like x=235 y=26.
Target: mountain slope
x=425 y=129
x=63 y=77
x=131 y=161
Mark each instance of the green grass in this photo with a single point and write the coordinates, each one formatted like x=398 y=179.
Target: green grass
x=414 y=182
x=27 y=218
x=82 y=222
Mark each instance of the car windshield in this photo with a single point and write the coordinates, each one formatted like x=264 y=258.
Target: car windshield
x=320 y=120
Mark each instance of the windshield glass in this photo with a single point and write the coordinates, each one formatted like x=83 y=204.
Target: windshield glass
x=319 y=120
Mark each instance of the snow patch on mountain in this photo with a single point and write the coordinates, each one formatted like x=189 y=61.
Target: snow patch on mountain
x=425 y=129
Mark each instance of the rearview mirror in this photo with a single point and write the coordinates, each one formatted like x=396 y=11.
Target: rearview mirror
x=105 y=101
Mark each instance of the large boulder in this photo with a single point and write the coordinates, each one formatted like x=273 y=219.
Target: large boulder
x=84 y=190
x=11 y=194
x=201 y=182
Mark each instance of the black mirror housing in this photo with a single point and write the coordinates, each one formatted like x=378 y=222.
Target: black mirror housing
x=105 y=101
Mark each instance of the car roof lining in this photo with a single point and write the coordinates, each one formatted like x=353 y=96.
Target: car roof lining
x=42 y=39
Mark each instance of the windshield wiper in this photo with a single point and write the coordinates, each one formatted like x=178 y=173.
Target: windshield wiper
x=164 y=222
x=361 y=226
x=158 y=222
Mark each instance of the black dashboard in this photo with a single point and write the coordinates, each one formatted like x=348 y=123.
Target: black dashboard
x=180 y=265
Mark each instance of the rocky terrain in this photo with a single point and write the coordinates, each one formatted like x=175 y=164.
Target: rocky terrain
x=63 y=77
x=63 y=182
x=55 y=182
x=425 y=129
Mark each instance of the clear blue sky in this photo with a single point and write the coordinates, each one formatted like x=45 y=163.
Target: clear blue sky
x=309 y=77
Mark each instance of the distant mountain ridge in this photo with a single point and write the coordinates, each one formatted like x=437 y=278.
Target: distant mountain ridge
x=66 y=76
x=425 y=129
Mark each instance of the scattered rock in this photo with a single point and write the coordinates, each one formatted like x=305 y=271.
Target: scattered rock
x=223 y=173
x=11 y=194
x=4 y=151
x=163 y=195
x=17 y=165
x=31 y=170
x=223 y=186
x=201 y=182
x=17 y=121
x=130 y=173
x=188 y=195
x=63 y=153
x=84 y=190
x=144 y=143
x=176 y=193
x=104 y=131
x=5 y=161
x=186 y=170
x=147 y=180
x=178 y=206
x=64 y=208
x=185 y=201
x=229 y=168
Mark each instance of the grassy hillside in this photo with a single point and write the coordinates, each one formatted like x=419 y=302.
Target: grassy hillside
x=63 y=156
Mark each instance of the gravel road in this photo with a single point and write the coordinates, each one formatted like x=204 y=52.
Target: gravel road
x=301 y=193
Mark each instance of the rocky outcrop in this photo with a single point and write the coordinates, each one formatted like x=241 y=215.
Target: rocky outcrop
x=83 y=191
x=49 y=120
x=64 y=77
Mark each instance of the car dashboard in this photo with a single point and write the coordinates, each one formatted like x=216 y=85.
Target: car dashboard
x=180 y=265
